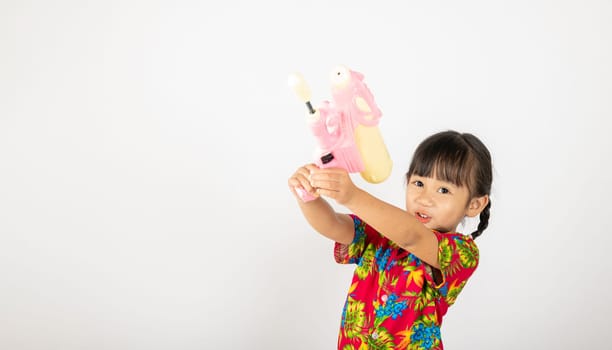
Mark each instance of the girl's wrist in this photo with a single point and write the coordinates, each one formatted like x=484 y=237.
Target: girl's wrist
x=353 y=202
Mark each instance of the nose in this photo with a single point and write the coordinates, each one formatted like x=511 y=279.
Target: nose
x=424 y=199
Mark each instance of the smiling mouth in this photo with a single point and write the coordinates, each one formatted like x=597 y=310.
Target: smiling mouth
x=422 y=218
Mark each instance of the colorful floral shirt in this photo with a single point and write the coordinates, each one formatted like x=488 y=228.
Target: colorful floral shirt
x=393 y=301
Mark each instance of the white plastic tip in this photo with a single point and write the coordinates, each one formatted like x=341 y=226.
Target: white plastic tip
x=297 y=83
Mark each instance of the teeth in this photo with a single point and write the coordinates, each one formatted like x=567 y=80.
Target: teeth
x=423 y=216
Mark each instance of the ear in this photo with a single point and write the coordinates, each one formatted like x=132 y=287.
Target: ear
x=477 y=205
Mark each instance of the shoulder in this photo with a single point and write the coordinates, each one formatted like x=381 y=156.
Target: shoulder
x=368 y=234
x=362 y=226
x=455 y=238
x=457 y=248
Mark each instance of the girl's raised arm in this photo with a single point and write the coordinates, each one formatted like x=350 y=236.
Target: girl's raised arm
x=319 y=214
x=392 y=222
x=397 y=225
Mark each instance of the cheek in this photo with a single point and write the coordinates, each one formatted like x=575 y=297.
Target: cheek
x=458 y=211
x=453 y=210
x=408 y=201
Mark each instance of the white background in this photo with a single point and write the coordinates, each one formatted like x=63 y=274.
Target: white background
x=145 y=148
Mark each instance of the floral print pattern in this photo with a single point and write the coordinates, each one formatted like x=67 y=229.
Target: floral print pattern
x=393 y=301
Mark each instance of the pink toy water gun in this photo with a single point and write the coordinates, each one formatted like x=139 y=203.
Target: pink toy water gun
x=346 y=129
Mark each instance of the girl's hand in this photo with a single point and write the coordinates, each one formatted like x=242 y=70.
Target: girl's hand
x=334 y=183
x=301 y=180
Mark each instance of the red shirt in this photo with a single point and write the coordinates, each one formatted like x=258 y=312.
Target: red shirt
x=393 y=301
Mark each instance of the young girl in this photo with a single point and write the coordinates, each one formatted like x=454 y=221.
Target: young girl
x=411 y=264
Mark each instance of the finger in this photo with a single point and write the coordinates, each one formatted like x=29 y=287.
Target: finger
x=293 y=181
x=327 y=185
x=304 y=182
x=300 y=177
x=311 y=190
x=326 y=176
x=305 y=196
x=298 y=181
x=331 y=171
x=307 y=186
x=303 y=171
x=327 y=193
x=311 y=168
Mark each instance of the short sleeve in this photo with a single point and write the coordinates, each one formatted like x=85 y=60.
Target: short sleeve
x=351 y=253
x=458 y=258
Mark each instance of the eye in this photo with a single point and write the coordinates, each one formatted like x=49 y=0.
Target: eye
x=418 y=183
x=443 y=190
x=339 y=76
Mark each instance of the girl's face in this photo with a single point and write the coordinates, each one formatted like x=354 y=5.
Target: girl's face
x=439 y=205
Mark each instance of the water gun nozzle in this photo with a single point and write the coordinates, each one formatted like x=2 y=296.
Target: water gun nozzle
x=297 y=83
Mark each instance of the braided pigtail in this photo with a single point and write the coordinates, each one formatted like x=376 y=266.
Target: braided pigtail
x=484 y=221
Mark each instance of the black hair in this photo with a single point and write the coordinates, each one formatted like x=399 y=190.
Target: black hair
x=459 y=158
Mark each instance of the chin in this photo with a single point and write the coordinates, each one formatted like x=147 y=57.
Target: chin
x=439 y=229
x=431 y=227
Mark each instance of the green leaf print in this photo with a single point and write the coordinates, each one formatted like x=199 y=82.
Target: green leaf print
x=348 y=347
x=382 y=278
x=394 y=281
x=426 y=297
x=355 y=318
x=357 y=247
x=468 y=253
x=445 y=254
x=367 y=260
x=382 y=341
x=455 y=266
x=453 y=292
